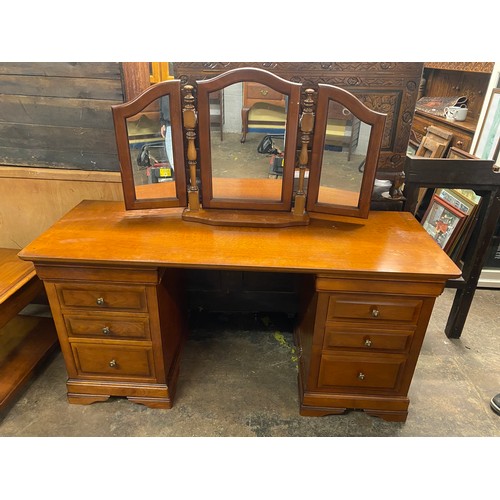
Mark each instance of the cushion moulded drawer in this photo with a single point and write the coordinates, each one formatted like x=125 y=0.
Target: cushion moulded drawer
x=109 y=325
x=114 y=361
x=373 y=307
x=369 y=338
x=361 y=372
x=111 y=297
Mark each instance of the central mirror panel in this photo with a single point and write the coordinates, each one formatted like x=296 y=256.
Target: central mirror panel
x=238 y=168
x=344 y=154
x=257 y=173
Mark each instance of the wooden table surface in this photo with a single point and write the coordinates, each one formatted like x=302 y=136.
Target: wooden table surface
x=104 y=232
x=14 y=273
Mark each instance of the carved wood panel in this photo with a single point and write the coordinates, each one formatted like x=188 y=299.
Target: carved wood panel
x=388 y=87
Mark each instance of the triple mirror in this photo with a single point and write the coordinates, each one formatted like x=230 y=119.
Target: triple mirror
x=248 y=147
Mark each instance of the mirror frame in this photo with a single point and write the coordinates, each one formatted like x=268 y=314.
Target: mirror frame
x=364 y=114
x=240 y=75
x=121 y=112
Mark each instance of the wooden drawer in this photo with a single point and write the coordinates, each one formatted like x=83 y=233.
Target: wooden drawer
x=361 y=373
x=103 y=297
x=373 y=308
x=462 y=139
x=259 y=92
x=367 y=339
x=108 y=326
x=113 y=360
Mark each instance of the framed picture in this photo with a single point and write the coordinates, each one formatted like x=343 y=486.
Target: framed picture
x=464 y=202
x=488 y=144
x=443 y=222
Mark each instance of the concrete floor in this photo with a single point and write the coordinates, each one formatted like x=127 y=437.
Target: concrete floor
x=239 y=378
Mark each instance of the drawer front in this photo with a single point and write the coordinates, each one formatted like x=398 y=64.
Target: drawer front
x=108 y=326
x=461 y=140
x=114 y=361
x=104 y=297
x=375 y=308
x=367 y=339
x=361 y=372
x=262 y=93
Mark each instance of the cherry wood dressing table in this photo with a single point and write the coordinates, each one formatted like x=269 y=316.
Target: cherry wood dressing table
x=114 y=279
x=115 y=272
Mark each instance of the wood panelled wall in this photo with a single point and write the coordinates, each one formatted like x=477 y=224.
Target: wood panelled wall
x=58 y=114
x=57 y=143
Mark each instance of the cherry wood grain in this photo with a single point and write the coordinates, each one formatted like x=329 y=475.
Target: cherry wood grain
x=25 y=342
x=14 y=273
x=386 y=243
x=369 y=288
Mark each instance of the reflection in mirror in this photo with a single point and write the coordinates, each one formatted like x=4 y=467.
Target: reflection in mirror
x=151 y=151
x=344 y=157
x=239 y=168
x=145 y=129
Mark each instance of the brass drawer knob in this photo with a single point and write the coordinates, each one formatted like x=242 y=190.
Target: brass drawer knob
x=368 y=343
x=106 y=330
x=375 y=313
x=361 y=376
x=112 y=363
x=100 y=301
x=264 y=92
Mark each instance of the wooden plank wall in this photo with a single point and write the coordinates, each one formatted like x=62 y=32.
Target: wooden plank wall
x=58 y=114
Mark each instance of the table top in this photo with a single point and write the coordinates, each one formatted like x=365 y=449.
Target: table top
x=104 y=233
x=14 y=273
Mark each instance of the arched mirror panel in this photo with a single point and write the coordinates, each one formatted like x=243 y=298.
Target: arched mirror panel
x=344 y=154
x=149 y=137
x=249 y=164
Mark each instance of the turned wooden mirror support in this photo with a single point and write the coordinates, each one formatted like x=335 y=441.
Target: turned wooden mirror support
x=170 y=156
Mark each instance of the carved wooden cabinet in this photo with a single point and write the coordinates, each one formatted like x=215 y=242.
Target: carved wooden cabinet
x=387 y=87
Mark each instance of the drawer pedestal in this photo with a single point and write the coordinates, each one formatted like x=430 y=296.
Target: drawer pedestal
x=358 y=343
x=121 y=331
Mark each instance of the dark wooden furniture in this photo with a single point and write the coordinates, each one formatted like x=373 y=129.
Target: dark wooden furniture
x=25 y=341
x=367 y=294
x=454 y=79
x=462 y=132
x=386 y=87
x=479 y=176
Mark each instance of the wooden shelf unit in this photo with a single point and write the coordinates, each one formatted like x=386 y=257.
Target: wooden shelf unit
x=453 y=79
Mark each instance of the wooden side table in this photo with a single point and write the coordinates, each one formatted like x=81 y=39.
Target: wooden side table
x=25 y=341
